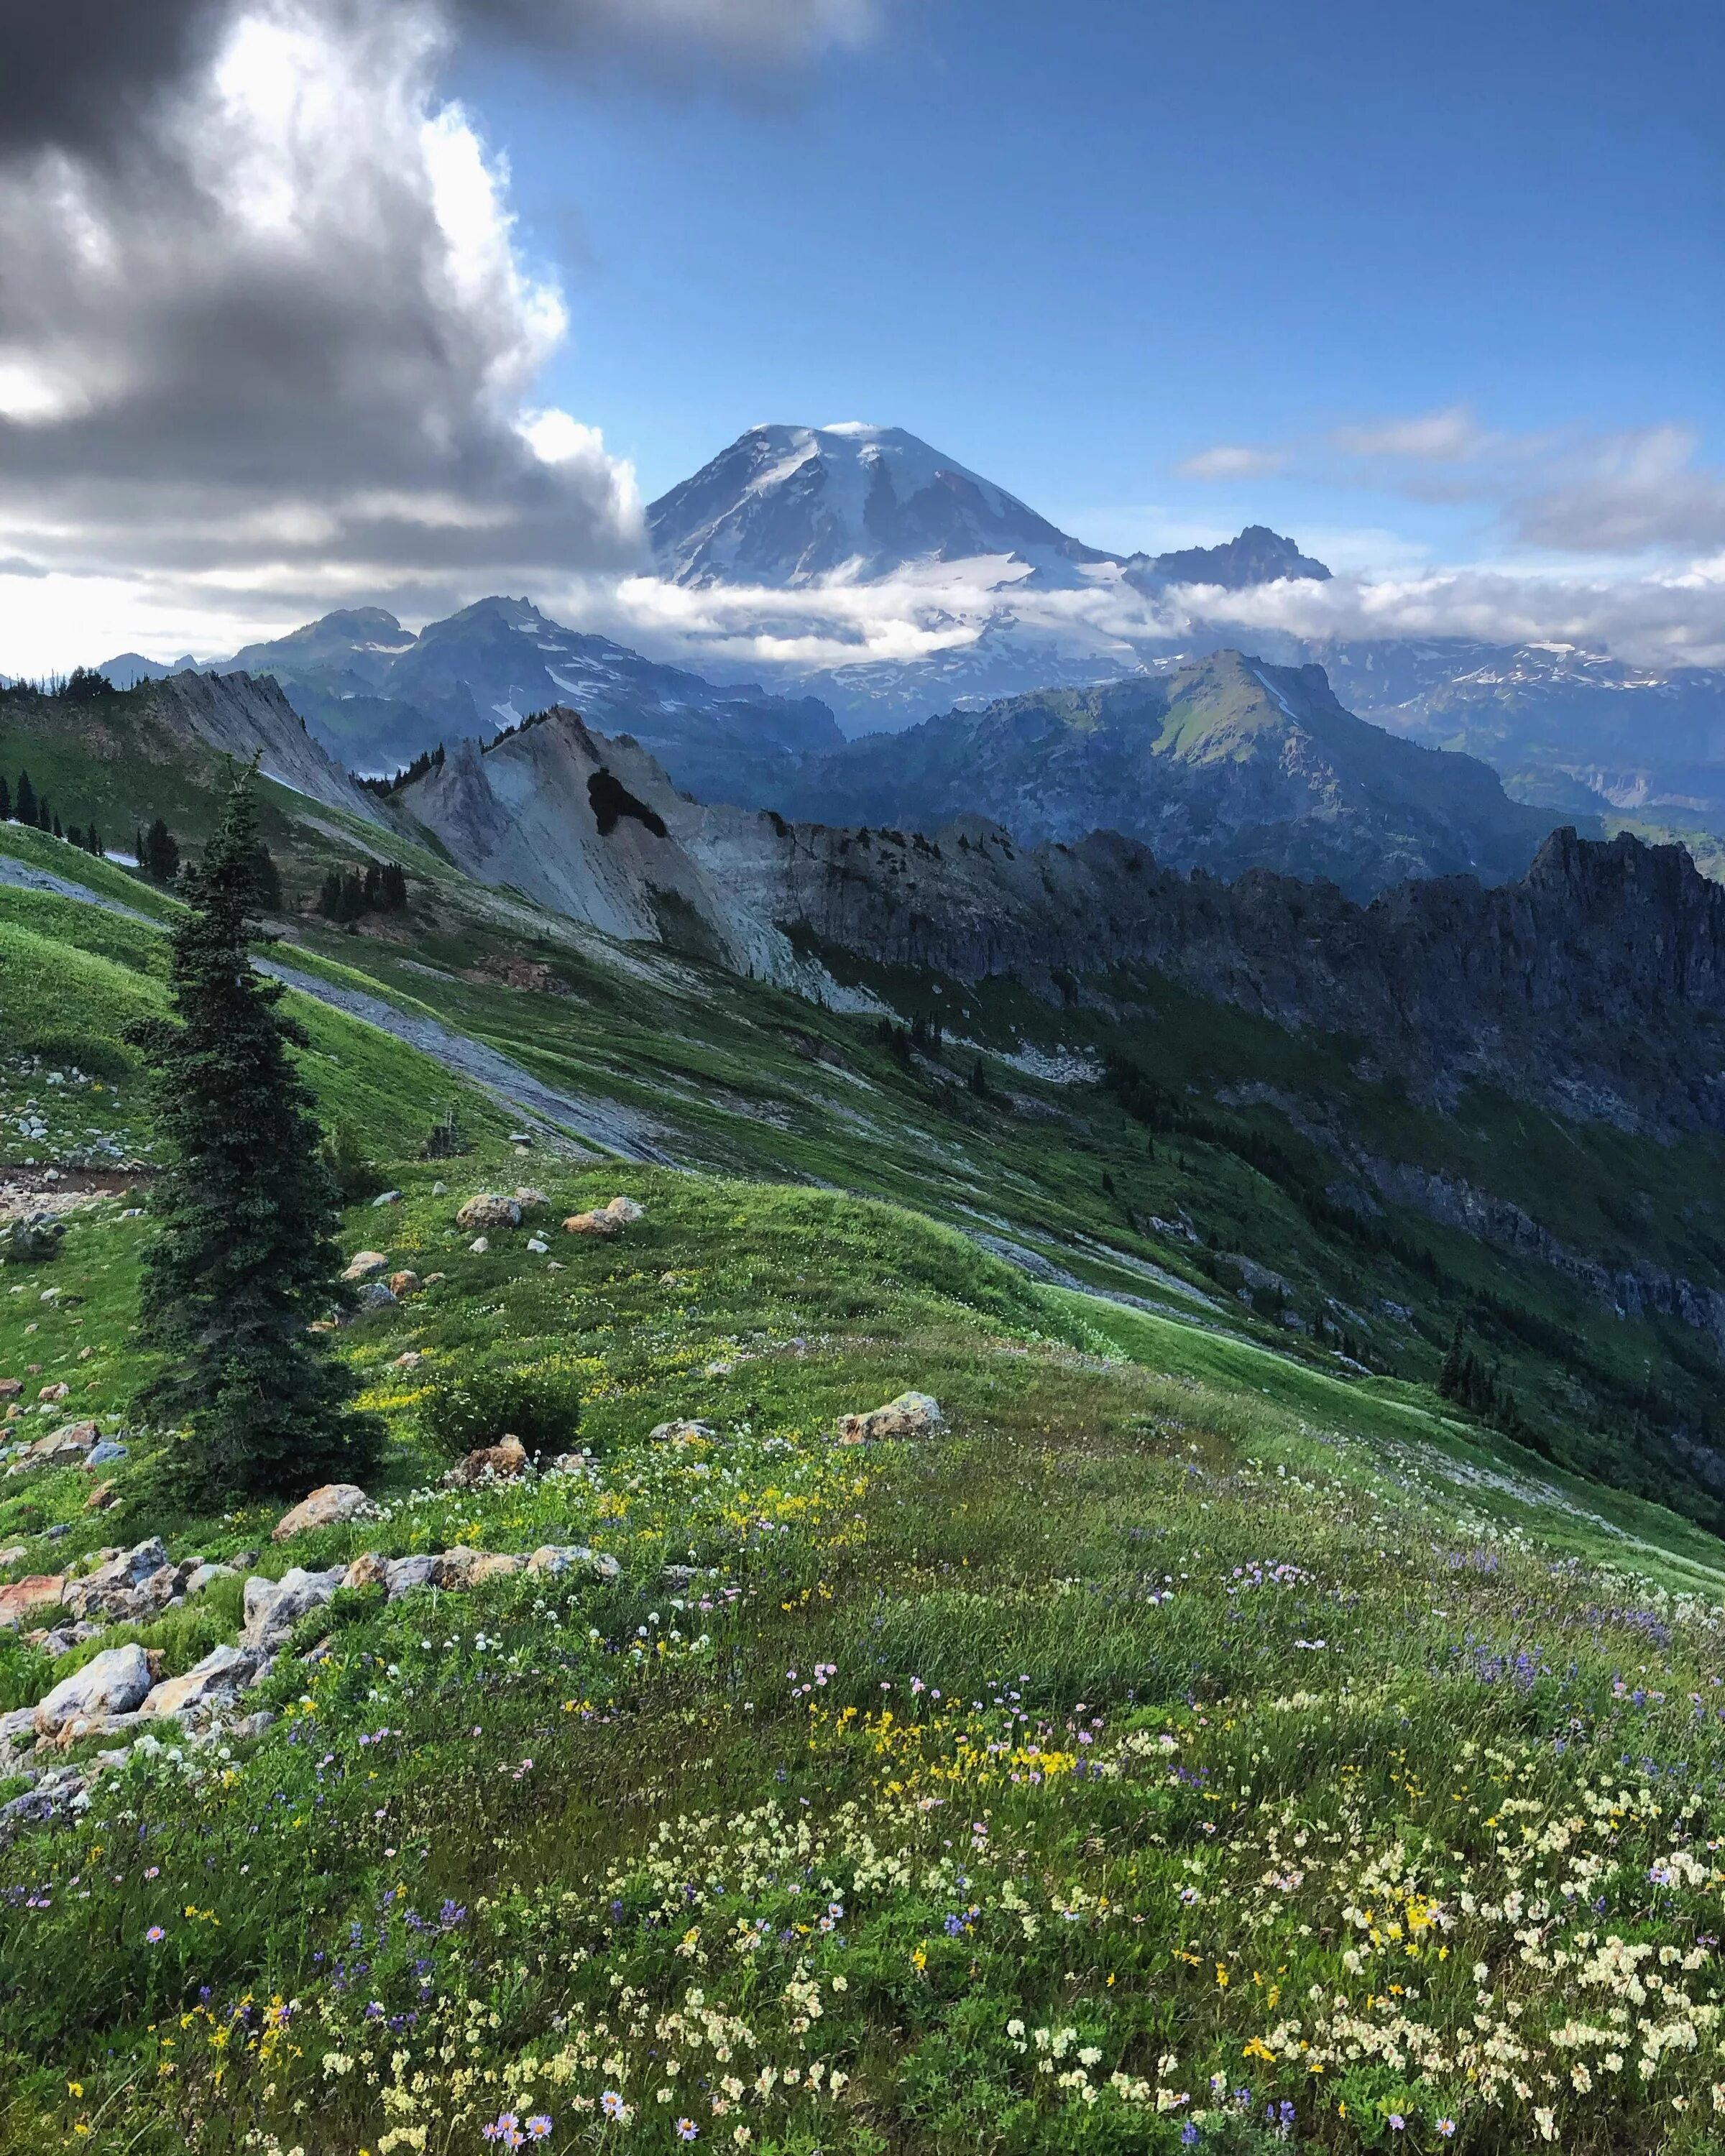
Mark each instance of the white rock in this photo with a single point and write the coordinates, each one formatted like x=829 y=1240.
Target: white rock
x=911 y=1415
x=217 y=1681
x=457 y=1570
x=115 y=1682
x=326 y=1508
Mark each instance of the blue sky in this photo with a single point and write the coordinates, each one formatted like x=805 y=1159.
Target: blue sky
x=1435 y=290
x=1075 y=246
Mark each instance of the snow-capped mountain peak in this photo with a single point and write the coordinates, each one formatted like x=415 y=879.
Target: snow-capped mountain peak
x=785 y=506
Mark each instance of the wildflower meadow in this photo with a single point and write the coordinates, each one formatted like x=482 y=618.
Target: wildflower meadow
x=1174 y=1753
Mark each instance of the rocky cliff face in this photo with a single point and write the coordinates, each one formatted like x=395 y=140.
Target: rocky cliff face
x=242 y=717
x=1596 y=981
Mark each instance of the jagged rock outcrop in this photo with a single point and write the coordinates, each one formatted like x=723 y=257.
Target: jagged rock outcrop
x=1596 y=981
x=242 y=716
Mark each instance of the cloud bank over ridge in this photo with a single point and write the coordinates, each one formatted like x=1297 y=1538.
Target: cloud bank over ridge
x=270 y=343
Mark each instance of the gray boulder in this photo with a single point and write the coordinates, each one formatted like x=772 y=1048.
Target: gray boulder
x=911 y=1415
x=111 y=1591
x=402 y=1574
x=113 y=1683
x=488 y=1209
x=273 y=1607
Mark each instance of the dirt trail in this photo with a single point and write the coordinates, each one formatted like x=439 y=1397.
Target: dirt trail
x=605 y=1126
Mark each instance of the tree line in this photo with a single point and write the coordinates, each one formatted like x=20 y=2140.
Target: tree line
x=381 y=887
x=27 y=807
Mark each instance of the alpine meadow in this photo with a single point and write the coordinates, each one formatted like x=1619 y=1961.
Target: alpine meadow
x=838 y=1319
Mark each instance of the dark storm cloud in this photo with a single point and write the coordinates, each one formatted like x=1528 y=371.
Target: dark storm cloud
x=82 y=74
x=283 y=322
x=79 y=72
x=261 y=299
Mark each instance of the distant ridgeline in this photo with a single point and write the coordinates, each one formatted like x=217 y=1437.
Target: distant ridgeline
x=1592 y=981
x=1596 y=981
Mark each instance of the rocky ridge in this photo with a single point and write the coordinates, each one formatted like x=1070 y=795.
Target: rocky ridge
x=1596 y=981
x=244 y=715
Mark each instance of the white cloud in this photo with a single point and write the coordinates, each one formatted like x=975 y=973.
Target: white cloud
x=1232 y=460
x=1625 y=492
x=288 y=340
x=1665 y=619
x=1636 y=492
x=1451 y=436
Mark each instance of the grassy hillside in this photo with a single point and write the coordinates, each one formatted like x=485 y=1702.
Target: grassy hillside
x=1184 y=1740
x=1228 y=1203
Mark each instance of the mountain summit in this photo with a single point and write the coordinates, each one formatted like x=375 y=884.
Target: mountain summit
x=1226 y=764
x=1258 y=555
x=785 y=506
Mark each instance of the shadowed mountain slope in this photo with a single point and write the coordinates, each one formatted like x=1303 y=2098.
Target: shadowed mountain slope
x=1229 y=764
x=1596 y=980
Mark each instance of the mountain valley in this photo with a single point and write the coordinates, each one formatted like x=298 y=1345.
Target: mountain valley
x=1028 y=1314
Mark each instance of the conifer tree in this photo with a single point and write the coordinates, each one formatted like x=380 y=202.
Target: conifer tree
x=26 y=799
x=5 y=802
x=242 y=1255
x=161 y=856
x=266 y=879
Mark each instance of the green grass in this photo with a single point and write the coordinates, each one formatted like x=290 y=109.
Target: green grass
x=743 y=1078
x=1193 y=1717
x=1100 y=1714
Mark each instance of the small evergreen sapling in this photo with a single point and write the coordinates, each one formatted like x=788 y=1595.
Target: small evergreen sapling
x=243 y=1253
